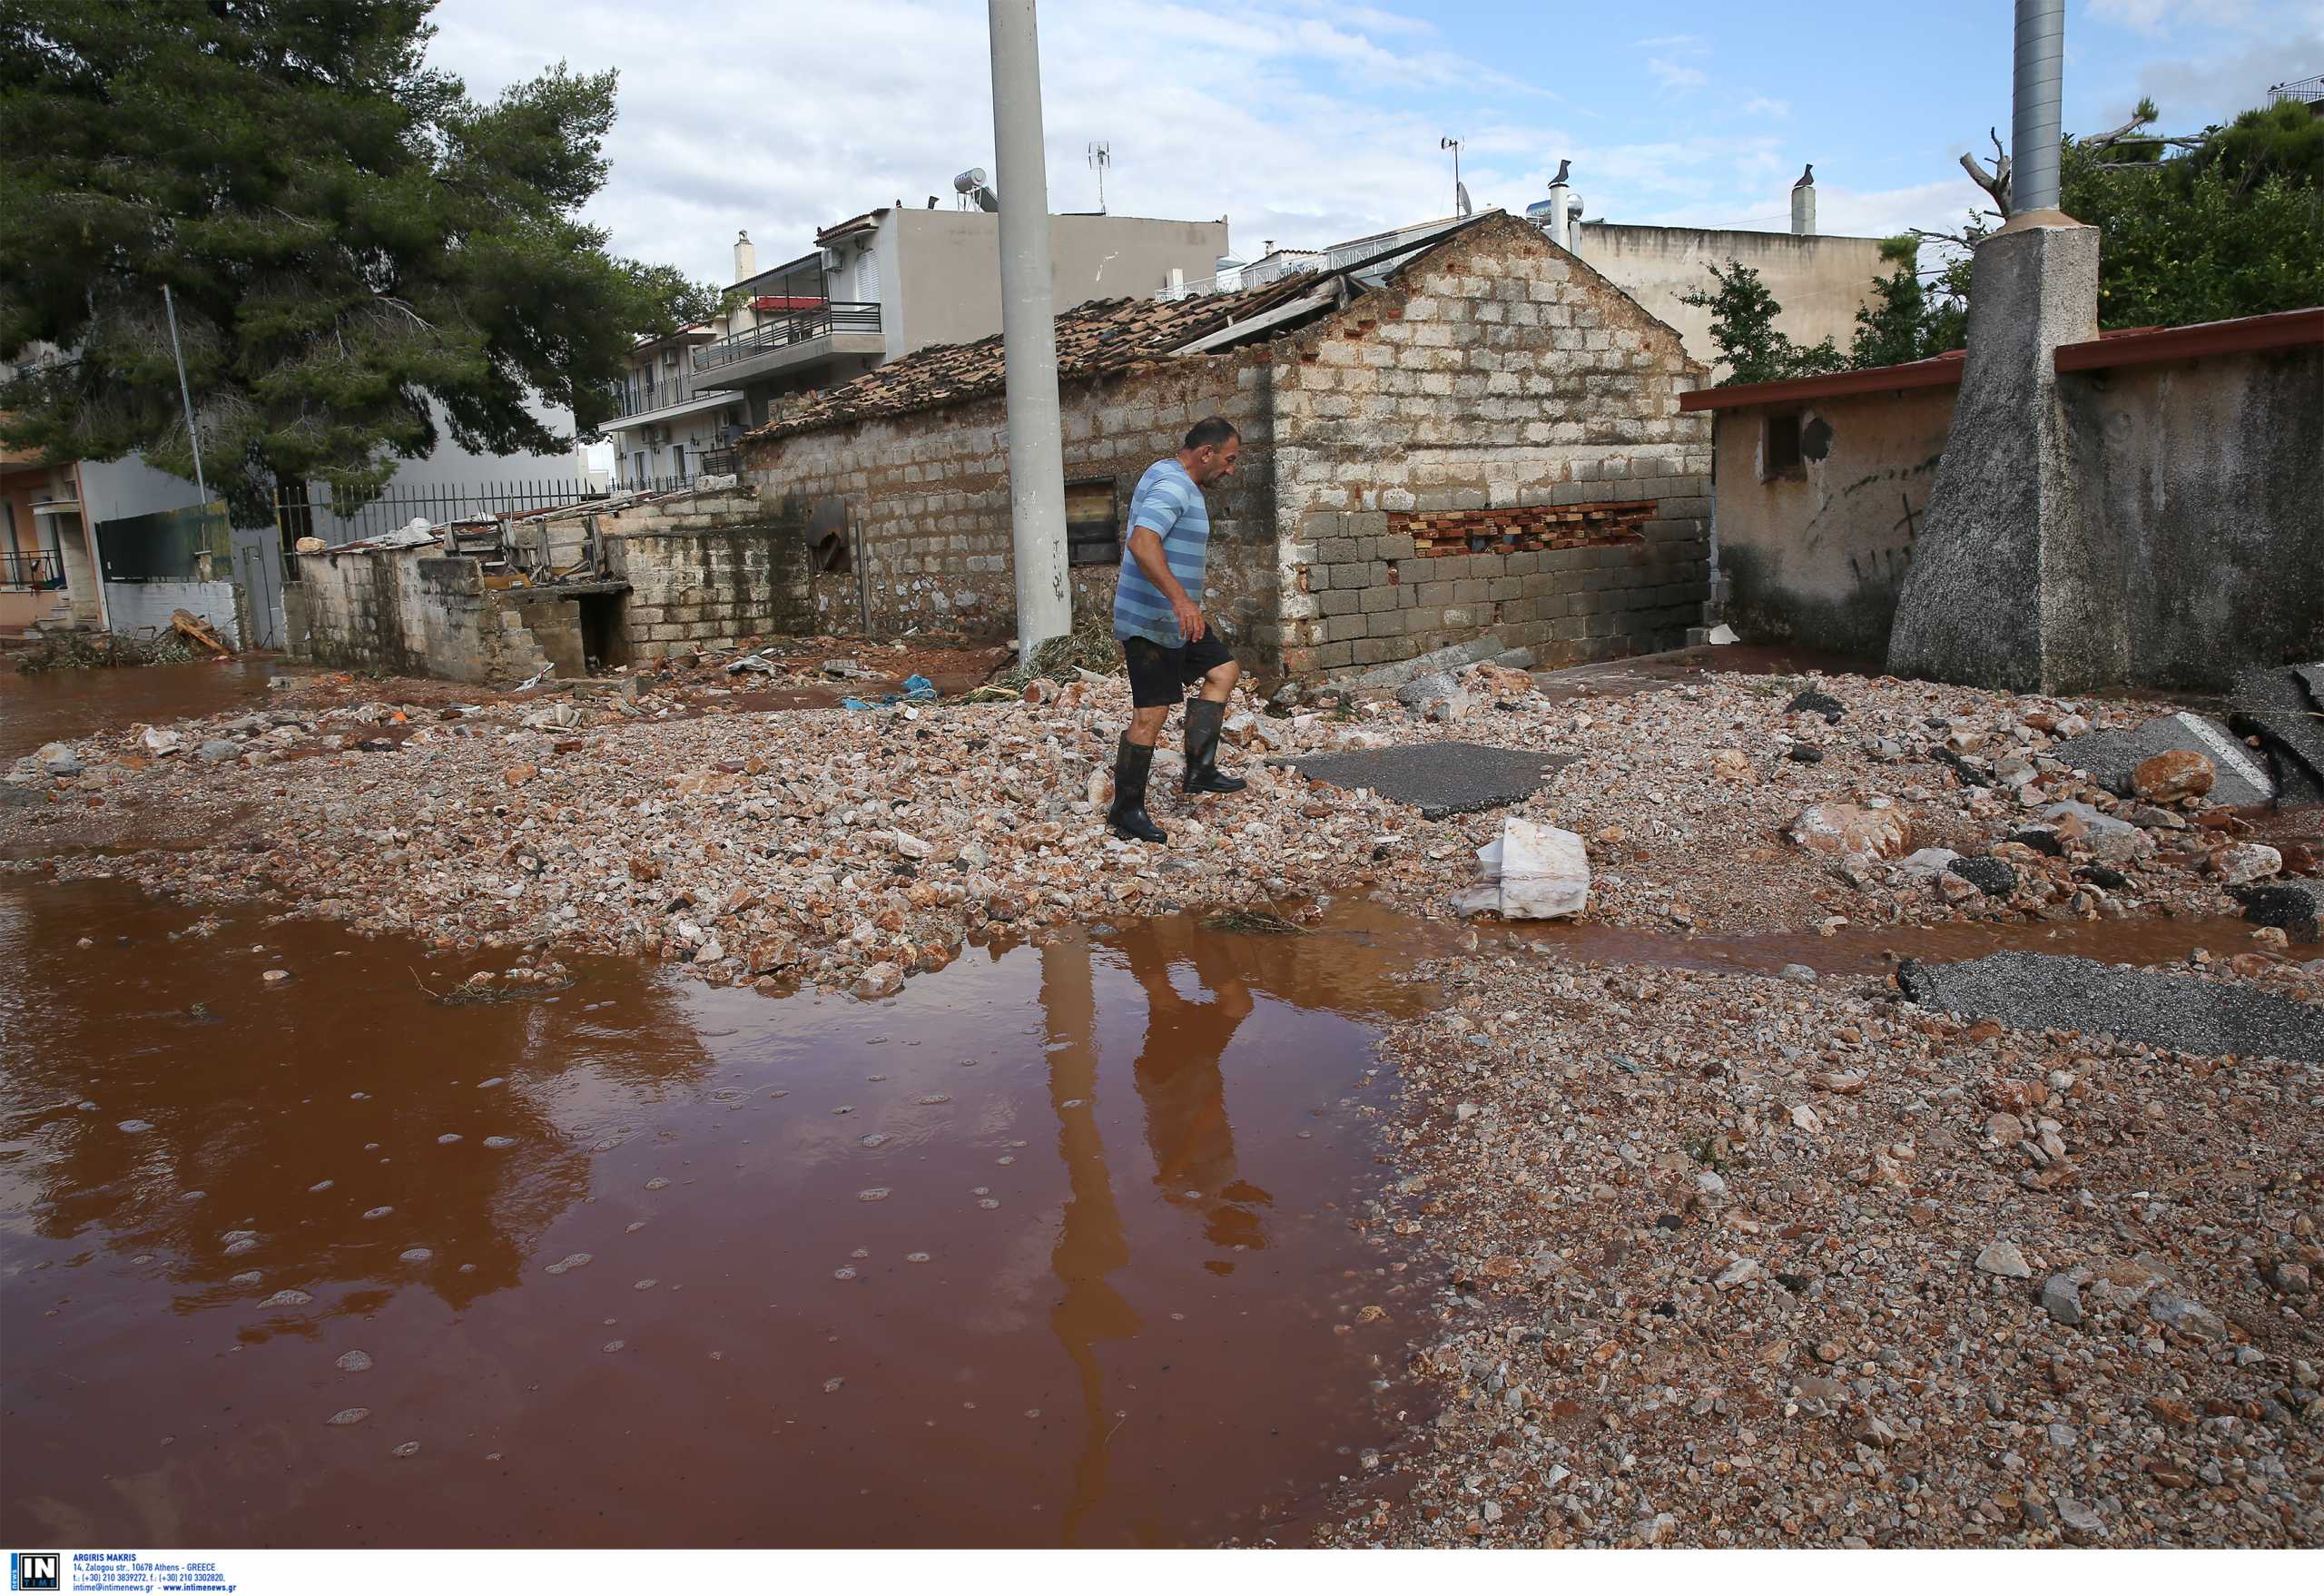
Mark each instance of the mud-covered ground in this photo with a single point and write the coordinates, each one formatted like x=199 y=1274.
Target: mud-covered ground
x=1725 y=1255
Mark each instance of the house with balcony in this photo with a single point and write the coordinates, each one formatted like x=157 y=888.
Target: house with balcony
x=875 y=288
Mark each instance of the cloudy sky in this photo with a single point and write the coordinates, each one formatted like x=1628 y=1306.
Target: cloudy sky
x=1311 y=121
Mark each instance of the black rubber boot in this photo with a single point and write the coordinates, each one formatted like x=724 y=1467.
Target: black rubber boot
x=1127 y=819
x=1203 y=719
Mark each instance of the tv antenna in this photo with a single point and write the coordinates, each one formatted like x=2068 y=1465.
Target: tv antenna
x=1101 y=155
x=1459 y=191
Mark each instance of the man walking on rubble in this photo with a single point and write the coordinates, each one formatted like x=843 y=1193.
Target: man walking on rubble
x=1166 y=642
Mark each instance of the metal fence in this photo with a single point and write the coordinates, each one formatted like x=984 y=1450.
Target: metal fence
x=309 y=511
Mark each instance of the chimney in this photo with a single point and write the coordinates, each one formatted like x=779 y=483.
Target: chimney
x=746 y=258
x=1803 y=209
x=1561 y=210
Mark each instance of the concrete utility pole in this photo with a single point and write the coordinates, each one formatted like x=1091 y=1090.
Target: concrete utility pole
x=1029 y=333
x=185 y=392
x=2037 y=123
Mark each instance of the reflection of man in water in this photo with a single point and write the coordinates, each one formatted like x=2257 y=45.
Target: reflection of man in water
x=1184 y=1095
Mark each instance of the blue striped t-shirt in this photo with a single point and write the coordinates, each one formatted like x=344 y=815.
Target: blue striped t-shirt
x=1169 y=504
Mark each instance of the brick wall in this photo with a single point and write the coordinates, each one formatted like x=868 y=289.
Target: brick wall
x=412 y=612
x=932 y=491
x=714 y=568
x=1496 y=372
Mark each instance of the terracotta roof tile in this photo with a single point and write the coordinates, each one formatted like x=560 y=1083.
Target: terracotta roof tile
x=1104 y=335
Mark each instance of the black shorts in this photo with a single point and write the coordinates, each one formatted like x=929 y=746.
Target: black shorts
x=1160 y=675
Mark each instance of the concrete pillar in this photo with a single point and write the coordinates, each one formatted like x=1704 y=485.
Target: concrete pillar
x=1803 y=209
x=1029 y=333
x=2012 y=584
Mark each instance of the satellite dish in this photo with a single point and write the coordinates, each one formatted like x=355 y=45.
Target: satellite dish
x=1462 y=190
x=969 y=182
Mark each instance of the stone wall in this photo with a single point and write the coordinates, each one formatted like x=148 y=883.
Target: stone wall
x=929 y=491
x=1814 y=555
x=716 y=568
x=1496 y=372
x=412 y=612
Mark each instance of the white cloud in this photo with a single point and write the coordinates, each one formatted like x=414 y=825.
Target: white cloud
x=2158 y=18
x=1297 y=120
x=1774 y=110
x=1670 y=77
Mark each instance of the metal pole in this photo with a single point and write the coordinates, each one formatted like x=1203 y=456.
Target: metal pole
x=2038 y=122
x=1029 y=333
x=185 y=392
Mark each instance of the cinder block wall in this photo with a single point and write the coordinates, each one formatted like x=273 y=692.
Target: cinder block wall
x=712 y=568
x=134 y=606
x=931 y=490
x=1497 y=371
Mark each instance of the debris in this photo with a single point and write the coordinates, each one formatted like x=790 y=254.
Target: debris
x=2003 y=1259
x=1843 y=830
x=2173 y=774
x=195 y=630
x=2296 y=908
x=1530 y=872
x=2245 y=862
x=2113 y=758
x=2038 y=991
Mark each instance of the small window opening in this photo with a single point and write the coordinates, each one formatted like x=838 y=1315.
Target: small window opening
x=1093 y=532
x=1781 y=454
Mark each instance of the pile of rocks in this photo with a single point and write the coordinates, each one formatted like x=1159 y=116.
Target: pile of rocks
x=817 y=844
x=1733 y=1260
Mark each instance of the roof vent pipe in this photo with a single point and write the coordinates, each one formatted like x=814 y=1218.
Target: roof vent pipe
x=1560 y=204
x=2037 y=126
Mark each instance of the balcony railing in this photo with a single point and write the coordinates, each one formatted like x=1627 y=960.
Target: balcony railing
x=32 y=570
x=636 y=397
x=779 y=330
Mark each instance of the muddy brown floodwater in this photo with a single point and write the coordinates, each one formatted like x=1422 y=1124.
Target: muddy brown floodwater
x=1054 y=1248
x=60 y=705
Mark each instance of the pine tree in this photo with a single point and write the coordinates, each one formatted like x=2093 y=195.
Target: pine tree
x=355 y=245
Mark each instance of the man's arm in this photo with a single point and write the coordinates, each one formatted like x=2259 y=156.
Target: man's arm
x=1145 y=548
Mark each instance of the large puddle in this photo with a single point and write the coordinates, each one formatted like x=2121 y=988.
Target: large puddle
x=1054 y=1248
x=53 y=707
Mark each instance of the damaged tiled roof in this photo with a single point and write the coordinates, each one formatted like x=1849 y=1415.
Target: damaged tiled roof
x=1104 y=335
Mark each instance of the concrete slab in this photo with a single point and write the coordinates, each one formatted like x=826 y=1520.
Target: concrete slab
x=1407 y=670
x=1437 y=778
x=2285 y=709
x=2110 y=757
x=2033 y=992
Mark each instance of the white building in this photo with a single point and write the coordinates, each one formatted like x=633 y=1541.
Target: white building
x=875 y=286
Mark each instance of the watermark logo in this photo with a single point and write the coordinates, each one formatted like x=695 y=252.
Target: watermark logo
x=36 y=1570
